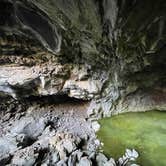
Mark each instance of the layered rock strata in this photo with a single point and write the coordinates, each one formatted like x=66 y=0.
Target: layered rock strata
x=108 y=55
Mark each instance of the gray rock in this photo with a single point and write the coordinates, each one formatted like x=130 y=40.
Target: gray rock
x=69 y=145
x=7 y=146
x=92 y=155
x=84 y=162
x=52 y=158
x=61 y=163
x=25 y=157
x=35 y=128
x=101 y=159
x=79 y=154
x=110 y=162
x=72 y=160
x=55 y=157
x=18 y=126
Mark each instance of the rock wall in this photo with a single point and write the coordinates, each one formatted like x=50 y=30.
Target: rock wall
x=111 y=52
x=107 y=53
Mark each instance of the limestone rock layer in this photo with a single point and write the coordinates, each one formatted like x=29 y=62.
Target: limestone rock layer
x=106 y=54
x=107 y=50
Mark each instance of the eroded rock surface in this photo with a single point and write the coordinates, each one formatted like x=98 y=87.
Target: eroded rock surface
x=109 y=54
x=110 y=51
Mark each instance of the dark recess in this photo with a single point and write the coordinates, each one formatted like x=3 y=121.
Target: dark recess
x=54 y=99
x=7 y=17
x=38 y=23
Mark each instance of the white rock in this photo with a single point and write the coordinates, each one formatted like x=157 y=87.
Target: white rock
x=131 y=154
x=95 y=126
x=42 y=81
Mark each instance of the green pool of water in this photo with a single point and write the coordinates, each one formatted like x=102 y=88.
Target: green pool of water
x=144 y=131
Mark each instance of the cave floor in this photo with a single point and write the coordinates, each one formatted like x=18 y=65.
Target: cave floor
x=65 y=117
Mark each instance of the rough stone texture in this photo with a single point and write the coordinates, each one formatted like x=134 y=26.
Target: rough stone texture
x=110 y=53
